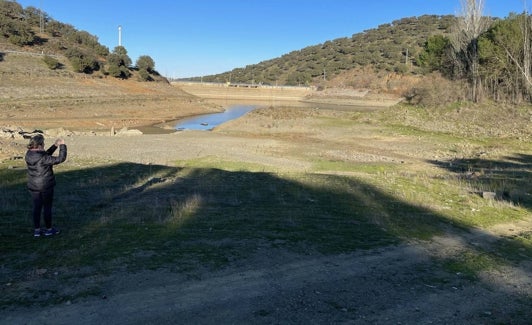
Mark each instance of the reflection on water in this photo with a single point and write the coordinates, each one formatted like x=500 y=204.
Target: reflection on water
x=209 y=121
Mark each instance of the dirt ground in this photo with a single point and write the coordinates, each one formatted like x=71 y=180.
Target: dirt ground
x=396 y=285
x=402 y=284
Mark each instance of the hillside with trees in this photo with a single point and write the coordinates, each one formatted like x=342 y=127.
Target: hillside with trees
x=390 y=47
x=453 y=58
x=429 y=60
x=34 y=31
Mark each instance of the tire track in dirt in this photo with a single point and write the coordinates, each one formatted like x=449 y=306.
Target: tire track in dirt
x=401 y=284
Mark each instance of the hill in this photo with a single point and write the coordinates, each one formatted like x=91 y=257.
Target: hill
x=486 y=58
x=397 y=58
x=52 y=74
x=30 y=91
x=33 y=30
x=390 y=47
x=35 y=97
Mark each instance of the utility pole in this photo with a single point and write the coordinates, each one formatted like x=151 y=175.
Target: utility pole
x=41 y=18
x=119 y=35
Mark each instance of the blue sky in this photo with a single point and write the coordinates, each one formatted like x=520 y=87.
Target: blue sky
x=189 y=38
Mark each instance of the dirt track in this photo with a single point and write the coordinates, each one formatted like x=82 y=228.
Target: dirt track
x=396 y=285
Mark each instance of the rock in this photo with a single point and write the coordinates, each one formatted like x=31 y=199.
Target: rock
x=59 y=132
x=11 y=132
x=126 y=132
x=489 y=195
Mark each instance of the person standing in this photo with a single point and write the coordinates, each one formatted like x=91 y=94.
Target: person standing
x=41 y=181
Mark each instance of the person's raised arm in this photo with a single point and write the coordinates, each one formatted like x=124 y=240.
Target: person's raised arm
x=62 y=153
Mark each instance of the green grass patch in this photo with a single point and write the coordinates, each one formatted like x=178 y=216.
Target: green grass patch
x=517 y=247
x=215 y=162
x=347 y=166
x=470 y=263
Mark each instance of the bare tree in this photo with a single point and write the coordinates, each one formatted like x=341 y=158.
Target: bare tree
x=526 y=67
x=525 y=64
x=471 y=24
x=518 y=49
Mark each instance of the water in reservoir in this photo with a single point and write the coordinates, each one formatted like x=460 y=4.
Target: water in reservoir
x=209 y=121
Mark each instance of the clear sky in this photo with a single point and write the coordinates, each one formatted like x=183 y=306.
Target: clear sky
x=188 y=38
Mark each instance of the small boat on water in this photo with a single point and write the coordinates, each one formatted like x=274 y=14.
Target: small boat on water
x=204 y=123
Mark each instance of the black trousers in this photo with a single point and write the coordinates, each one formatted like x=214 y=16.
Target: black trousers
x=42 y=202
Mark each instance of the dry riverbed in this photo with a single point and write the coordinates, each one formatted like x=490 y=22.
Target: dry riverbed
x=399 y=284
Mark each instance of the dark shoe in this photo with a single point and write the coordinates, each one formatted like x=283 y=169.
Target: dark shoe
x=51 y=232
x=37 y=233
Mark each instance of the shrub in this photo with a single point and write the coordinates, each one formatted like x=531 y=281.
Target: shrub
x=435 y=90
x=118 y=63
x=145 y=62
x=81 y=61
x=144 y=75
x=51 y=63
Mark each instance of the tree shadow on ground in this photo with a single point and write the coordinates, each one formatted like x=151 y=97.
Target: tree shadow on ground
x=507 y=179
x=131 y=217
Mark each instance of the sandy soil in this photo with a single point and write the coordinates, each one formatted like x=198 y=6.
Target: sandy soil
x=396 y=285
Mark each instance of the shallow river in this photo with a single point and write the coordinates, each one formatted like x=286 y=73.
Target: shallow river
x=209 y=121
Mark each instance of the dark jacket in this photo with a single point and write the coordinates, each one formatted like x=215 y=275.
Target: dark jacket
x=39 y=162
